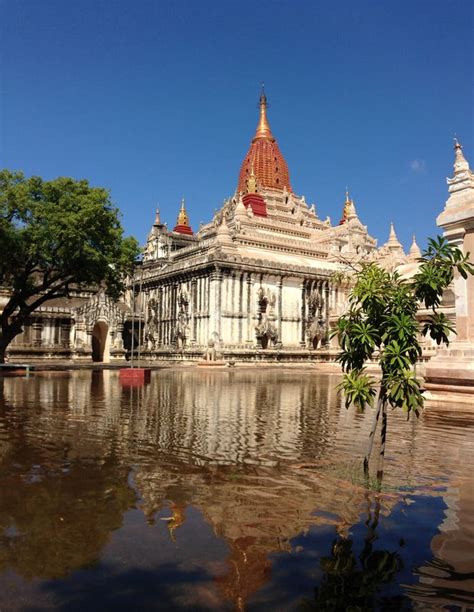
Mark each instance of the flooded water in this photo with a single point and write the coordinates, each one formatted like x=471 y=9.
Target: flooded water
x=226 y=490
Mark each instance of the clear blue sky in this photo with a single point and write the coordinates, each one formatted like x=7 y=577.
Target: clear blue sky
x=156 y=100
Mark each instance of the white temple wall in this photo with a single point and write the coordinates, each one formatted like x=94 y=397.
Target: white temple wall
x=291 y=310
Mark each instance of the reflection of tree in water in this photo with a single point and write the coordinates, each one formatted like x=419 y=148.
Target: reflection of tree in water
x=353 y=582
x=53 y=523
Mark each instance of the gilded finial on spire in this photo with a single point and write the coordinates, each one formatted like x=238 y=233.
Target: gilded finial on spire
x=263 y=128
x=182 y=222
x=346 y=209
x=183 y=215
x=157 y=217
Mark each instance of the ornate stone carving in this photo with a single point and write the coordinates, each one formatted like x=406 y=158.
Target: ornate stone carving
x=212 y=353
x=100 y=308
x=151 y=327
x=266 y=331
x=181 y=331
x=315 y=322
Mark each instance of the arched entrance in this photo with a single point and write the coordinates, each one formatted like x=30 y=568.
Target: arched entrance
x=99 y=339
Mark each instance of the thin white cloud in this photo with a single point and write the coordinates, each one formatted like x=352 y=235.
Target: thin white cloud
x=418 y=166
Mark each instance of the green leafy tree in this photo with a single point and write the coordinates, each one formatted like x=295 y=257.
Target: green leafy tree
x=381 y=324
x=56 y=236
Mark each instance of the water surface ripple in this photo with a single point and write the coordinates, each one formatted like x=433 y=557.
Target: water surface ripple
x=237 y=489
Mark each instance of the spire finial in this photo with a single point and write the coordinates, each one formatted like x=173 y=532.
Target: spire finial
x=414 y=251
x=183 y=215
x=263 y=128
x=347 y=209
x=157 y=216
x=460 y=162
x=182 y=222
x=393 y=242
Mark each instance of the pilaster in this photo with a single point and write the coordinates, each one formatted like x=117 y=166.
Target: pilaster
x=303 y=313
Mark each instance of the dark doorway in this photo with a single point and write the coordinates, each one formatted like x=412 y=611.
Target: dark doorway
x=99 y=337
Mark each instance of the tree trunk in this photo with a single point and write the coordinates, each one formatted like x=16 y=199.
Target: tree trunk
x=383 y=438
x=3 y=350
x=7 y=333
x=371 y=436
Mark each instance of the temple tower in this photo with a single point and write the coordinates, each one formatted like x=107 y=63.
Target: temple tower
x=264 y=159
x=451 y=372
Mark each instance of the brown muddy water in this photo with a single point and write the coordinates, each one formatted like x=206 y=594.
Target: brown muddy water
x=226 y=490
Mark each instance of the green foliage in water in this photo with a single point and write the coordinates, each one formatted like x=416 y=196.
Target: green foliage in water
x=381 y=324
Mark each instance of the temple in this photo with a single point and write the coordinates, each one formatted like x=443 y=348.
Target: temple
x=257 y=282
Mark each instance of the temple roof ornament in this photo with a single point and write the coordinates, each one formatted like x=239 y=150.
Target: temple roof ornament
x=264 y=157
x=460 y=204
x=182 y=224
x=252 y=186
x=414 y=252
x=393 y=242
x=460 y=162
x=349 y=211
x=223 y=233
x=240 y=210
x=157 y=217
x=263 y=127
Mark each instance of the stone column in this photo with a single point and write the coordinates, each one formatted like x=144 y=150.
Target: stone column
x=167 y=314
x=250 y=335
x=215 y=304
x=65 y=333
x=193 y=310
x=280 y=308
x=303 y=313
x=159 y=316
x=241 y=306
x=326 y=314
x=37 y=327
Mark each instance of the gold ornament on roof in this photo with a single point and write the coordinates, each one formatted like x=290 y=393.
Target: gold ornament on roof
x=347 y=208
x=183 y=218
x=263 y=127
x=252 y=182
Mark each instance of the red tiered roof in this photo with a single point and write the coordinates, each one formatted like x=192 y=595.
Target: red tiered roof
x=183 y=229
x=182 y=222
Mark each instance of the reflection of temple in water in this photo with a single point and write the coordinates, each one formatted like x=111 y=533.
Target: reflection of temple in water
x=263 y=456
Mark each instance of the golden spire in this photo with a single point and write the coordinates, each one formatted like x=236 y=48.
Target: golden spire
x=263 y=127
x=157 y=217
x=347 y=208
x=183 y=218
x=182 y=223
